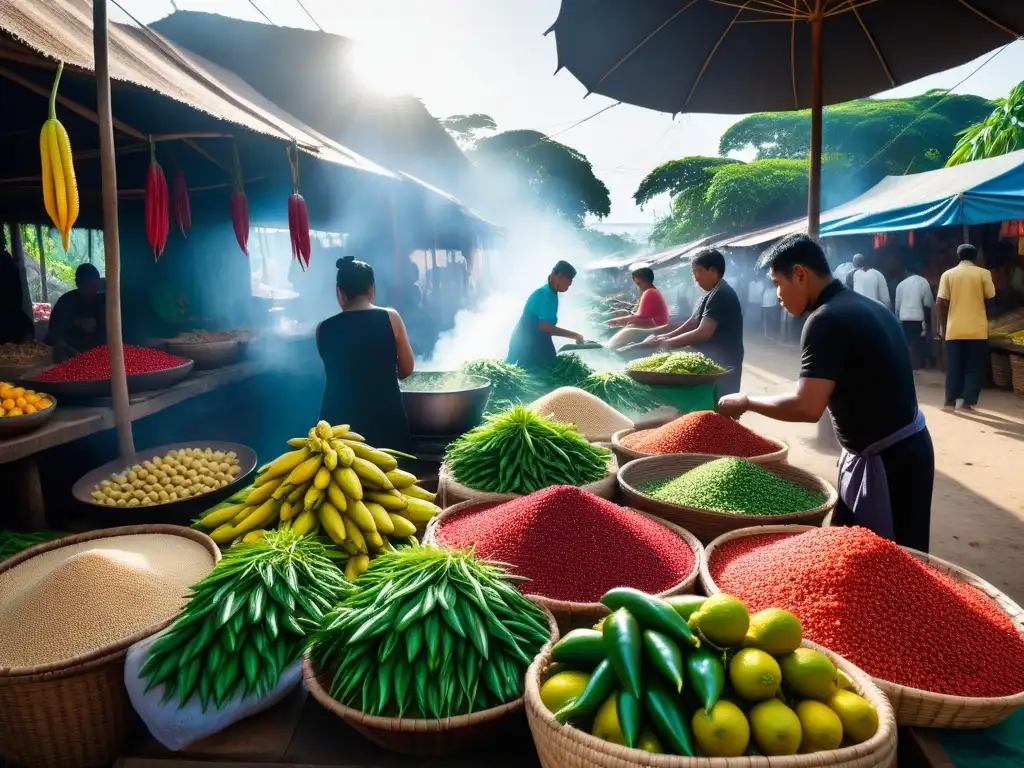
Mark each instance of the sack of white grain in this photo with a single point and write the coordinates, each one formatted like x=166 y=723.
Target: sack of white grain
x=595 y=419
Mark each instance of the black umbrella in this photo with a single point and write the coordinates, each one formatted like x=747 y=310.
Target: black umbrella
x=741 y=56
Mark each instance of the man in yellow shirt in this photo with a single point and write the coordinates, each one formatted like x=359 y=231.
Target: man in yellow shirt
x=964 y=293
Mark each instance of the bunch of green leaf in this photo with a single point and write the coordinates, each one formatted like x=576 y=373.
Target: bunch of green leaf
x=244 y=623
x=568 y=370
x=510 y=384
x=621 y=392
x=520 y=452
x=13 y=542
x=429 y=633
x=692 y=363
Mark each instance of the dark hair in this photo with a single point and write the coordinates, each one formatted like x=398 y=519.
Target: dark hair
x=355 y=278
x=564 y=268
x=793 y=250
x=644 y=273
x=710 y=258
x=86 y=273
x=967 y=252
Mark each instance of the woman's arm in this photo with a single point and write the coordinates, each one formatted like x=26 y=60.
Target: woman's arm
x=405 y=359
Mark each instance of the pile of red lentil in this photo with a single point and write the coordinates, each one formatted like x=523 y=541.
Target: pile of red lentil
x=572 y=545
x=94 y=365
x=701 y=432
x=882 y=609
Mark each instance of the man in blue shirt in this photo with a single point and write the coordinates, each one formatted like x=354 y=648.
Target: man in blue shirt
x=531 y=345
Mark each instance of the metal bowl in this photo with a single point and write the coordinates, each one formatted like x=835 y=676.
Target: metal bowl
x=138 y=382
x=447 y=412
x=179 y=512
x=12 y=426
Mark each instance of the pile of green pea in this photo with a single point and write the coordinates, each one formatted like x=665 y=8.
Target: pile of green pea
x=180 y=474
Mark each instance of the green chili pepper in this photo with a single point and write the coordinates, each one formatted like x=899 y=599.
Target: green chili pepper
x=707 y=676
x=654 y=613
x=583 y=647
x=668 y=717
x=601 y=685
x=624 y=645
x=665 y=656
x=686 y=605
x=627 y=707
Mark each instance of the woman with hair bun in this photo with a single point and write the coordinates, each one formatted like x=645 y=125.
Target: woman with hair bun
x=366 y=350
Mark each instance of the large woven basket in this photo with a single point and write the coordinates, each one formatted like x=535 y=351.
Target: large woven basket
x=1017 y=374
x=1002 y=371
x=705 y=524
x=624 y=454
x=562 y=746
x=412 y=736
x=914 y=707
x=572 y=615
x=75 y=713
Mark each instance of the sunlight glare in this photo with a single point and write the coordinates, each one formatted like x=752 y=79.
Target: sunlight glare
x=381 y=69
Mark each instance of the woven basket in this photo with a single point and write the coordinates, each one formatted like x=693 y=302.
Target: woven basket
x=624 y=454
x=1002 y=371
x=562 y=746
x=451 y=492
x=1017 y=374
x=74 y=713
x=704 y=524
x=571 y=615
x=412 y=736
x=914 y=707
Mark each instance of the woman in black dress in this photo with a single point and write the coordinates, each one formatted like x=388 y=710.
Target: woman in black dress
x=366 y=350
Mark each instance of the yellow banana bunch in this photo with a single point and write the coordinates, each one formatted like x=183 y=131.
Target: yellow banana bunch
x=60 y=190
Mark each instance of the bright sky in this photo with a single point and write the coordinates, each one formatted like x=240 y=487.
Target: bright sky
x=491 y=56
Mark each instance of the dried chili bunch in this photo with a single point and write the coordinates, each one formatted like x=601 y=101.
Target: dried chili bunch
x=240 y=208
x=157 y=205
x=298 y=216
x=182 y=206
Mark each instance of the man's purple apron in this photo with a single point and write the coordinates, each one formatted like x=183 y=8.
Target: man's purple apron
x=863 y=486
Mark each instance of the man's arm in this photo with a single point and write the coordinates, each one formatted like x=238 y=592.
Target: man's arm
x=553 y=330
x=942 y=306
x=690 y=325
x=900 y=289
x=883 y=290
x=807 y=404
x=704 y=331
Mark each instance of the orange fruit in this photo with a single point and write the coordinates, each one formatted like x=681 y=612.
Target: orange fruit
x=21 y=402
x=31 y=398
x=18 y=392
x=15 y=412
x=43 y=404
x=29 y=409
x=7 y=404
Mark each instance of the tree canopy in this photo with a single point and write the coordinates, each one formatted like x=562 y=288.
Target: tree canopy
x=1001 y=131
x=467 y=129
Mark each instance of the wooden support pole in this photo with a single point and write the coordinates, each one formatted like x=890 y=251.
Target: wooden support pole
x=108 y=167
x=44 y=291
x=18 y=252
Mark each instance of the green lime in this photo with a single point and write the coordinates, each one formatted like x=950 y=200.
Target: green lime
x=723 y=620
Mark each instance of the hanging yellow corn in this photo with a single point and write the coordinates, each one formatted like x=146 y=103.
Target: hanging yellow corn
x=60 y=191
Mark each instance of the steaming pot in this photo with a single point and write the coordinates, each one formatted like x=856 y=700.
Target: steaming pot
x=447 y=412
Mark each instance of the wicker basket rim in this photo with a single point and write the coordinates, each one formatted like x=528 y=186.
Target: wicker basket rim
x=310 y=674
x=783 y=448
x=958 y=573
x=694 y=460
x=98 y=656
x=430 y=537
x=884 y=740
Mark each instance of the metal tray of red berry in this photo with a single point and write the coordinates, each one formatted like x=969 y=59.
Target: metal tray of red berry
x=97 y=388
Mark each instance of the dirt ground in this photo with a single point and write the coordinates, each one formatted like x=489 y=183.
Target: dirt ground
x=978 y=502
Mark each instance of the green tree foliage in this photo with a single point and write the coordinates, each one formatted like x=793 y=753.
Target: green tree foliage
x=467 y=129
x=1000 y=132
x=678 y=177
x=607 y=243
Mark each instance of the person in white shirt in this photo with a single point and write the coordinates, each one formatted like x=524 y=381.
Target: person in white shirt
x=840 y=272
x=914 y=302
x=868 y=281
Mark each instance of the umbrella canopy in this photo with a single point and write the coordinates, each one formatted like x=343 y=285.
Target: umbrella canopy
x=742 y=56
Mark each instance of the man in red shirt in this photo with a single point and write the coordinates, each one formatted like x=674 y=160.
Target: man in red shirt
x=650 y=315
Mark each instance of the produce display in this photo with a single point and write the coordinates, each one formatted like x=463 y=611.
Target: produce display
x=572 y=545
x=246 y=621
x=691 y=363
x=621 y=392
x=874 y=604
x=510 y=384
x=18 y=401
x=13 y=542
x=178 y=474
x=158 y=211
x=703 y=678
x=207 y=337
x=437 y=381
x=94 y=365
x=60 y=190
x=41 y=310
x=74 y=599
x=568 y=370
x=21 y=354
x=333 y=479
x=592 y=416
x=429 y=633
x=298 y=215
x=520 y=452
x=734 y=486
x=701 y=432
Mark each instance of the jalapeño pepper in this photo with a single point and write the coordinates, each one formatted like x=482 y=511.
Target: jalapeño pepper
x=623 y=642
x=652 y=612
x=601 y=685
x=627 y=707
x=707 y=676
x=665 y=656
x=668 y=718
x=581 y=647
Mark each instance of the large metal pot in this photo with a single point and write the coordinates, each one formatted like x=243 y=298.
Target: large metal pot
x=445 y=412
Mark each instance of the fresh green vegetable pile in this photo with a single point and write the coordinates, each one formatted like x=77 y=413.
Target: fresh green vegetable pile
x=429 y=633
x=622 y=393
x=520 y=452
x=511 y=385
x=437 y=381
x=244 y=623
x=568 y=370
x=692 y=363
x=13 y=542
x=736 y=486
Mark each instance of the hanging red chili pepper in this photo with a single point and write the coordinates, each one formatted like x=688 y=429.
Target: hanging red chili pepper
x=157 y=205
x=240 y=207
x=182 y=206
x=298 y=216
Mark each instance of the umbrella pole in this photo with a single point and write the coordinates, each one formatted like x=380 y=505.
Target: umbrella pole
x=112 y=256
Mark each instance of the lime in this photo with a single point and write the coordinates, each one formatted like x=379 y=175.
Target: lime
x=723 y=620
x=558 y=690
x=649 y=743
x=859 y=718
x=808 y=673
x=724 y=732
x=843 y=680
x=606 y=723
x=776 y=728
x=755 y=676
x=822 y=729
x=774 y=631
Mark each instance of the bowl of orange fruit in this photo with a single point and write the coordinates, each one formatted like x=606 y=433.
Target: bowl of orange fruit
x=23 y=410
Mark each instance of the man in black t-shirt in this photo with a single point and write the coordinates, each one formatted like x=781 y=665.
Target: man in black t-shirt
x=716 y=326
x=855 y=361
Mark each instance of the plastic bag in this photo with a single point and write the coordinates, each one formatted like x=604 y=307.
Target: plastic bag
x=176 y=727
